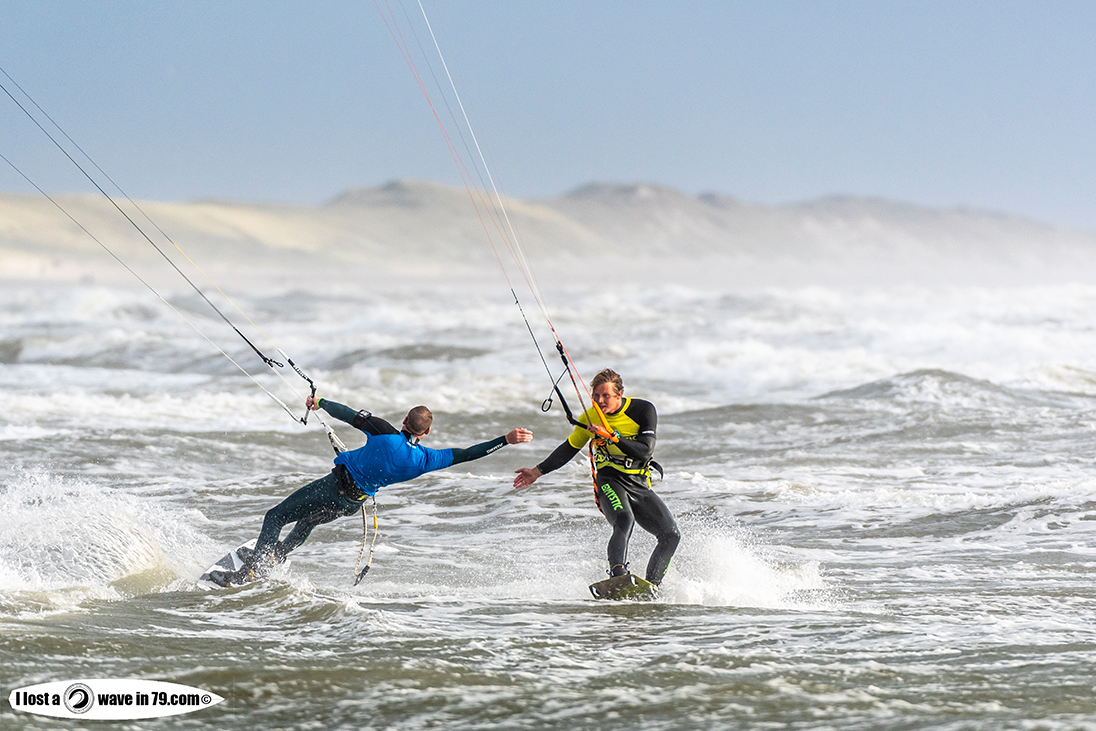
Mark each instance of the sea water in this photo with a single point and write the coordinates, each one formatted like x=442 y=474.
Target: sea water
x=887 y=500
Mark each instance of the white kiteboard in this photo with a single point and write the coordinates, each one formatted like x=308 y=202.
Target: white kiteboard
x=229 y=562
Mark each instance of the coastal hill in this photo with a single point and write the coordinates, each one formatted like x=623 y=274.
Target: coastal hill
x=637 y=230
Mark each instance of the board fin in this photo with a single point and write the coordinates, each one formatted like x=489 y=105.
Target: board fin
x=625 y=586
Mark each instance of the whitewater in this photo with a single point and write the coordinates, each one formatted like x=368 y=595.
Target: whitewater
x=887 y=496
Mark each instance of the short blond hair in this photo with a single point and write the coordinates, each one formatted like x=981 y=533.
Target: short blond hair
x=419 y=420
x=608 y=375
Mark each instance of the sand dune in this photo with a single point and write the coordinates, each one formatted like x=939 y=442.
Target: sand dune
x=637 y=230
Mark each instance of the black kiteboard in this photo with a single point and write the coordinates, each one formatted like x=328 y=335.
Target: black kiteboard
x=625 y=586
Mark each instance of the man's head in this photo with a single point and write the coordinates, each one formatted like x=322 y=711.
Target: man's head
x=607 y=390
x=418 y=421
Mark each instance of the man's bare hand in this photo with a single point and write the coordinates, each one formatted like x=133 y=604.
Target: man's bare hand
x=526 y=476
x=519 y=435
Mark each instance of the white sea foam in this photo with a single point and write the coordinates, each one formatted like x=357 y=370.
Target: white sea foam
x=875 y=488
x=68 y=537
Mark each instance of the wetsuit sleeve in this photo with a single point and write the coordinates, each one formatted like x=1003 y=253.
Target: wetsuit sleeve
x=360 y=420
x=479 y=450
x=641 y=448
x=581 y=434
x=559 y=457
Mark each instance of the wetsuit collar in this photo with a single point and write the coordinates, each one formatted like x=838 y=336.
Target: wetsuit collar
x=623 y=403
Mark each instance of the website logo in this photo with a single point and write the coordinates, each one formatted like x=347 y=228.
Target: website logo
x=79 y=699
x=111 y=699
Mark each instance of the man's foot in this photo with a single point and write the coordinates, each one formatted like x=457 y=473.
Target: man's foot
x=219 y=578
x=618 y=570
x=231 y=578
x=277 y=555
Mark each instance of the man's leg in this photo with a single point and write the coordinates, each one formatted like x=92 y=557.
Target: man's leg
x=313 y=499
x=316 y=503
x=616 y=508
x=654 y=517
x=304 y=527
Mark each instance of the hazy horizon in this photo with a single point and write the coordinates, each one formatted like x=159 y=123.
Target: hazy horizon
x=649 y=233
x=702 y=195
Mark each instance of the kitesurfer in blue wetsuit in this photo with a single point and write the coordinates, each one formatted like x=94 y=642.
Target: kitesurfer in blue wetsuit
x=390 y=455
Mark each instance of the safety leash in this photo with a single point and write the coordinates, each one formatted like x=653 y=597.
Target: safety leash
x=358 y=576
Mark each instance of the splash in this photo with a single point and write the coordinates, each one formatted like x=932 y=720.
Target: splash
x=69 y=539
x=719 y=564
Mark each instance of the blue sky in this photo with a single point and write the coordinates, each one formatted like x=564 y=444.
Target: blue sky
x=983 y=104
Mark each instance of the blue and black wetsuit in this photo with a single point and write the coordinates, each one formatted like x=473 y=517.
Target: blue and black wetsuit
x=389 y=456
x=624 y=493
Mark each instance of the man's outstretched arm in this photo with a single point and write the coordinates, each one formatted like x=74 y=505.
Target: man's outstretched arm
x=560 y=456
x=360 y=420
x=485 y=448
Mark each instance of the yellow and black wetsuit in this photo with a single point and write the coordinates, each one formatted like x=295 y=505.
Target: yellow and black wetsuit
x=623 y=481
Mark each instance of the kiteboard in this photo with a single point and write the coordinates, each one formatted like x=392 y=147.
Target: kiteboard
x=625 y=586
x=228 y=563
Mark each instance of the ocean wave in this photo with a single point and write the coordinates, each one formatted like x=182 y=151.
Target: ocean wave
x=932 y=385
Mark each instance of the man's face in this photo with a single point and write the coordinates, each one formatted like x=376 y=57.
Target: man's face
x=605 y=395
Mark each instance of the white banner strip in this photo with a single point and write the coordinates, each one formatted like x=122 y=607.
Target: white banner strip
x=111 y=700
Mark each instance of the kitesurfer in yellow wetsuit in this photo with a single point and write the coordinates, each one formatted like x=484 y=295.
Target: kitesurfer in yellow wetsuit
x=623 y=481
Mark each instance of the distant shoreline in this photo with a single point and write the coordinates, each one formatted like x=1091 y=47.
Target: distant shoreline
x=647 y=233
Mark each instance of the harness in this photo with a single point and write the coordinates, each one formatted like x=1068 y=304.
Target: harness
x=346 y=485
x=628 y=465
